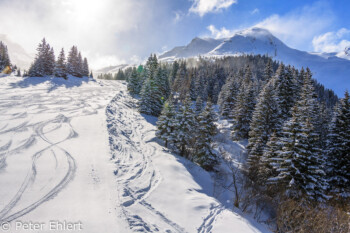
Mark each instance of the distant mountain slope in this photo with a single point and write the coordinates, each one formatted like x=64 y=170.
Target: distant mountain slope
x=17 y=53
x=111 y=69
x=332 y=70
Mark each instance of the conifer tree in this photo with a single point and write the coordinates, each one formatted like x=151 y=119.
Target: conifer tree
x=204 y=154
x=184 y=128
x=301 y=161
x=4 y=57
x=228 y=95
x=44 y=63
x=134 y=83
x=285 y=90
x=244 y=107
x=338 y=150
x=86 y=70
x=165 y=123
x=265 y=121
x=154 y=91
x=60 y=68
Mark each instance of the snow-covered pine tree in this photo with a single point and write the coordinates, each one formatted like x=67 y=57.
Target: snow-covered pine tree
x=265 y=121
x=228 y=95
x=270 y=160
x=301 y=161
x=285 y=89
x=268 y=72
x=151 y=101
x=86 y=70
x=184 y=124
x=44 y=63
x=338 y=151
x=244 y=107
x=4 y=57
x=50 y=62
x=165 y=123
x=60 y=68
x=73 y=64
x=206 y=130
x=134 y=84
x=162 y=82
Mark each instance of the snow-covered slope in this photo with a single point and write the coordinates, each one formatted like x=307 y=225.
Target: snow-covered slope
x=112 y=69
x=55 y=164
x=330 y=70
x=344 y=54
x=197 y=46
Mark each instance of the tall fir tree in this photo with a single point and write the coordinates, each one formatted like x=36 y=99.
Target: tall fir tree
x=44 y=63
x=206 y=130
x=338 y=150
x=4 y=57
x=265 y=121
x=85 y=71
x=134 y=82
x=285 y=90
x=166 y=123
x=244 y=107
x=60 y=68
x=301 y=161
x=185 y=125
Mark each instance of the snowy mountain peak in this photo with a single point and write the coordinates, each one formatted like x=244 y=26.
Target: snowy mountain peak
x=255 y=31
x=333 y=71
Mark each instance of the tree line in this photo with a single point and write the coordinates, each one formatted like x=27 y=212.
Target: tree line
x=45 y=63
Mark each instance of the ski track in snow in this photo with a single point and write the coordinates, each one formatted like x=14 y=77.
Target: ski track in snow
x=19 y=113
x=137 y=177
x=209 y=220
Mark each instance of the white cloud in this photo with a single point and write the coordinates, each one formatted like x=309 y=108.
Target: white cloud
x=178 y=16
x=101 y=29
x=297 y=28
x=220 y=33
x=331 y=41
x=255 y=11
x=203 y=7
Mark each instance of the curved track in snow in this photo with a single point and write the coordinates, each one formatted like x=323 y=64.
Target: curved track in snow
x=136 y=175
x=35 y=122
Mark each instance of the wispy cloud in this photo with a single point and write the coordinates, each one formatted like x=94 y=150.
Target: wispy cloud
x=332 y=41
x=255 y=11
x=298 y=27
x=202 y=7
x=220 y=33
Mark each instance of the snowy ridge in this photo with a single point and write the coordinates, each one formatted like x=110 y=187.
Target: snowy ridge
x=332 y=70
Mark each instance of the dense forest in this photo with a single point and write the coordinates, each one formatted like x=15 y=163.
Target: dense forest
x=298 y=132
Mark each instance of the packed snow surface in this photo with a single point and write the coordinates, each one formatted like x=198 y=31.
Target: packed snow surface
x=77 y=151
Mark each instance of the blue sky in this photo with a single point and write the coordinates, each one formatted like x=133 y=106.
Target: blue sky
x=118 y=31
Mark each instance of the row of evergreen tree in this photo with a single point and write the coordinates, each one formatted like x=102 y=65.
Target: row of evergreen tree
x=45 y=63
x=116 y=76
x=189 y=131
x=4 y=57
x=284 y=113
